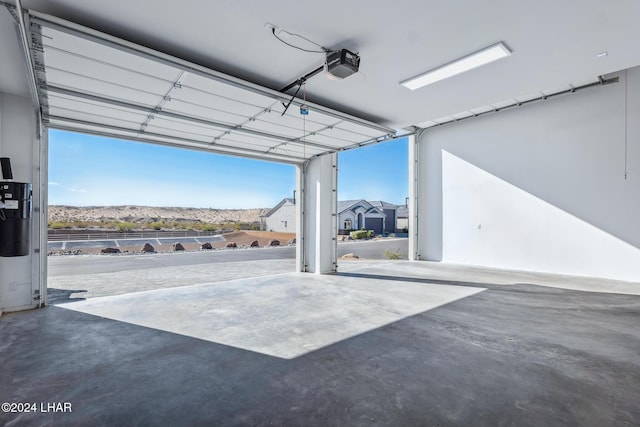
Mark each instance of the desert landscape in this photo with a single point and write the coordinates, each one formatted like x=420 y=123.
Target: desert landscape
x=239 y=227
x=146 y=214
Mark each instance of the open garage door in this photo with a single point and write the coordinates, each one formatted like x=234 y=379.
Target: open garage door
x=95 y=83
x=91 y=82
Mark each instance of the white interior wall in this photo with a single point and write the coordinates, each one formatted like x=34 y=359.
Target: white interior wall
x=19 y=281
x=539 y=187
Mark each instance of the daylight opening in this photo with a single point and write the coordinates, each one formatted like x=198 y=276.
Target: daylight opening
x=372 y=201
x=128 y=216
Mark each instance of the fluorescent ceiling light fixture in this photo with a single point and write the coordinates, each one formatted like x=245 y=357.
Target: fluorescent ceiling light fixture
x=482 y=57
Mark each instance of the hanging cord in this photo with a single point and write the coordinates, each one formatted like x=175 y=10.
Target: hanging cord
x=626 y=126
x=324 y=49
x=304 y=122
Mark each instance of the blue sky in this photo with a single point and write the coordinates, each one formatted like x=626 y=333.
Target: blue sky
x=87 y=170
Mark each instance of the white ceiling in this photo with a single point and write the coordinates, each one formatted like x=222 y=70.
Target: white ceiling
x=554 y=45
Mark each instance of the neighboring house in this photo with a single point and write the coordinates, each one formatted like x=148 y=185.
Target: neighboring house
x=389 y=210
x=358 y=214
x=379 y=216
x=281 y=218
x=402 y=219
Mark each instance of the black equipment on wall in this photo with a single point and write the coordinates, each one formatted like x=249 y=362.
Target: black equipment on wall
x=15 y=214
x=5 y=164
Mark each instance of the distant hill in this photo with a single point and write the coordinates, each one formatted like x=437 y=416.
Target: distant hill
x=145 y=214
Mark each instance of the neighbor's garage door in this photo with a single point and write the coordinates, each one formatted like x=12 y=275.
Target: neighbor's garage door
x=374 y=224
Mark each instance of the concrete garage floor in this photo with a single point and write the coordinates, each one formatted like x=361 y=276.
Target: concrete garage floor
x=392 y=344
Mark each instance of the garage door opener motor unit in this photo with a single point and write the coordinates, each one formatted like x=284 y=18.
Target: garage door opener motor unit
x=15 y=213
x=342 y=63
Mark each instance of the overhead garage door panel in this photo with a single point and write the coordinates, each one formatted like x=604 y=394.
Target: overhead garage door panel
x=293 y=122
x=130 y=134
x=314 y=115
x=241 y=140
x=184 y=126
x=267 y=122
x=284 y=148
x=229 y=91
x=358 y=129
x=93 y=86
x=339 y=132
x=71 y=66
x=65 y=105
x=94 y=82
x=321 y=138
x=74 y=43
x=154 y=127
x=82 y=117
x=190 y=101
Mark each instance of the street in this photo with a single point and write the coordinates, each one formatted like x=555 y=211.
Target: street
x=90 y=264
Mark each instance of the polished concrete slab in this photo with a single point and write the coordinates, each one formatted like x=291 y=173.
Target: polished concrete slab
x=285 y=315
x=90 y=277
x=518 y=353
x=75 y=287
x=439 y=272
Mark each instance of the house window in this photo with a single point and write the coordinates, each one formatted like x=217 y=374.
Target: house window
x=347 y=224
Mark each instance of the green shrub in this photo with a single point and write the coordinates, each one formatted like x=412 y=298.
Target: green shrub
x=361 y=234
x=58 y=225
x=157 y=225
x=389 y=254
x=208 y=227
x=125 y=227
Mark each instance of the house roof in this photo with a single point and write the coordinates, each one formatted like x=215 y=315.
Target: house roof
x=402 y=212
x=382 y=204
x=278 y=206
x=345 y=205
